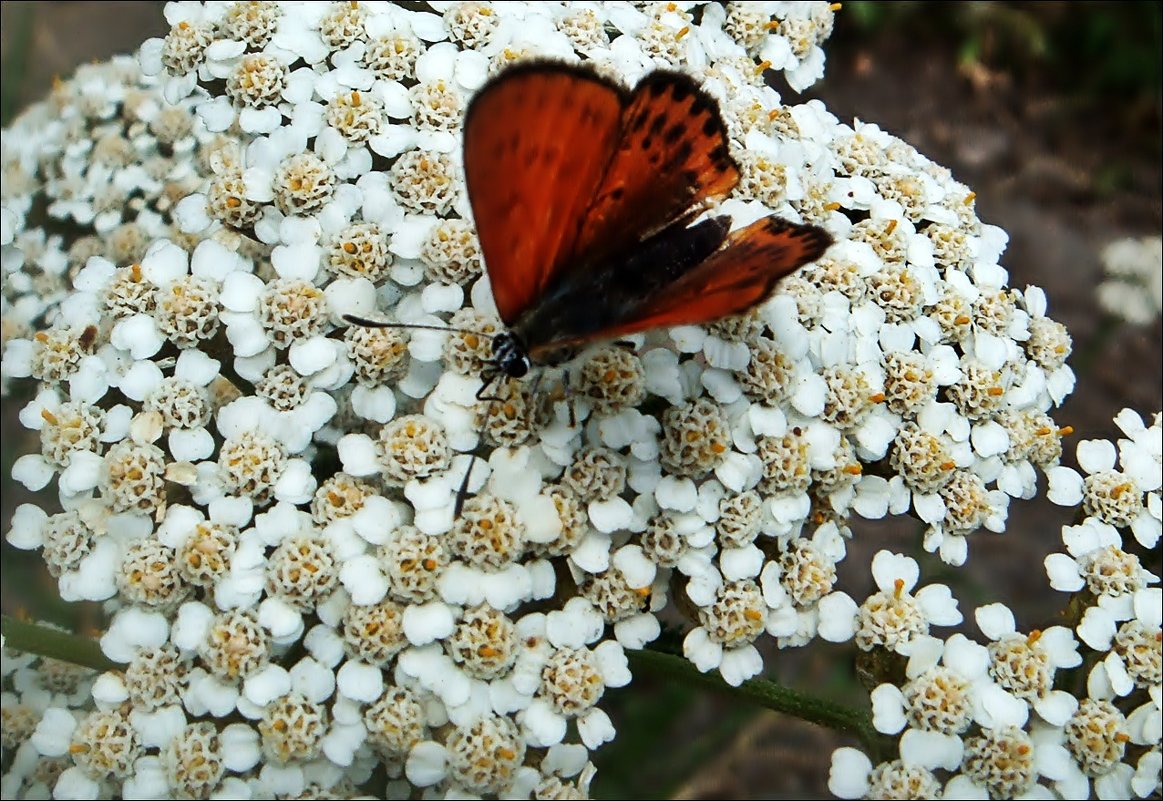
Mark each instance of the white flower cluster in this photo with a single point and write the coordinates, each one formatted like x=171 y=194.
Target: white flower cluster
x=1133 y=290
x=985 y=721
x=266 y=497
x=32 y=687
x=106 y=158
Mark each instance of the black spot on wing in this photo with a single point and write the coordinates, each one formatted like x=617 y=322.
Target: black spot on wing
x=682 y=88
x=704 y=104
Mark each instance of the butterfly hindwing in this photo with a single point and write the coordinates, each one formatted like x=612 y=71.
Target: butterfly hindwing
x=537 y=141
x=671 y=156
x=733 y=279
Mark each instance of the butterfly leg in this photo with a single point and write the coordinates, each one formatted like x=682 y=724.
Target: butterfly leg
x=490 y=376
x=462 y=493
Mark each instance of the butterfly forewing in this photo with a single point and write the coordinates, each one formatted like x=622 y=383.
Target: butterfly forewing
x=671 y=156
x=537 y=141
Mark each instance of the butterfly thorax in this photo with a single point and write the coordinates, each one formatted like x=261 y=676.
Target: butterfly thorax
x=510 y=356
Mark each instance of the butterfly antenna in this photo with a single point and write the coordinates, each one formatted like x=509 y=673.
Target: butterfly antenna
x=354 y=320
x=462 y=493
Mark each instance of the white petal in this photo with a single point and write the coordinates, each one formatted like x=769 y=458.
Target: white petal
x=837 y=617
x=427 y=764
x=635 y=632
x=848 y=773
x=888 y=711
x=313 y=680
x=1116 y=670
x=1096 y=455
x=740 y=664
x=363 y=580
x=357 y=454
x=888 y=567
x=595 y=728
x=593 y=553
x=428 y=622
x=190 y=445
x=701 y=651
x=990 y=439
x=1097 y=628
x=610 y=515
x=360 y=681
x=1065 y=486
x=995 y=621
x=939 y=605
x=266 y=685
x=54 y=732
x=1148 y=605
x=931 y=749
x=1063 y=573
x=996 y=708
x=27 y=529
x=679 y=494
x=1056 y=707
x=635 y=567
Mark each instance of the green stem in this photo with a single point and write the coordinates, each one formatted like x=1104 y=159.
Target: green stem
x=771 y=696
x=53 y=643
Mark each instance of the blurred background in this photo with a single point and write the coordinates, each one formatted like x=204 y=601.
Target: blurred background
x=1049 y=111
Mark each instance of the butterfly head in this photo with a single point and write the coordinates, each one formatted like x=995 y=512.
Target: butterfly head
x=510 y=356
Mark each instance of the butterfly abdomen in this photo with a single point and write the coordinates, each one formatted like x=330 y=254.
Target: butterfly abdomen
x=582 y=302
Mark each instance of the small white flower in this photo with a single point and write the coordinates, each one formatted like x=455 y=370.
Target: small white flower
x=848 y=773
x=54 y=732
x=132 y=629
x=1114 y=496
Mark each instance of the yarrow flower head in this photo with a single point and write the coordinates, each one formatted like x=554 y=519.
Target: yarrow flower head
x=1124 y=498
x=325 y=547
x=979 y=720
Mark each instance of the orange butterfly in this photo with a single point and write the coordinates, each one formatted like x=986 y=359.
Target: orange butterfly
x=584 y=196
